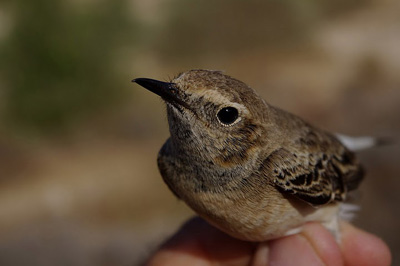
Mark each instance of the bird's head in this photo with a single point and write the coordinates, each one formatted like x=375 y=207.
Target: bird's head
x=213 y=115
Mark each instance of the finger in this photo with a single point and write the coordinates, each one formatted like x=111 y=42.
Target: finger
x=324 y=243
x=313 y=246
x=198 y=243
x=362 y=248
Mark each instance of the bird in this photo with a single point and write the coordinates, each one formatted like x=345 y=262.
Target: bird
x=252 y=170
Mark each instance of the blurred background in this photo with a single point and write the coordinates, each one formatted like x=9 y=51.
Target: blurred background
x=79 y=184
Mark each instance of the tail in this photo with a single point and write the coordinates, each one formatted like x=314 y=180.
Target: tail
x=347 y=211
x=362 y=143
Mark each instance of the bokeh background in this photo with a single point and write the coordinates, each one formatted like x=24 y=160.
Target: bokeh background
x=79 y=183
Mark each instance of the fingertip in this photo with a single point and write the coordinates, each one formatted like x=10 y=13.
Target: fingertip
x=198 y=243
x=293 y=250
x=362 y=248
x=171 y=257
x=324 y=243
x=181 y=249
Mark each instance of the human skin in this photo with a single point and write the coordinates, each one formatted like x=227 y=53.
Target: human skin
x=199 y=244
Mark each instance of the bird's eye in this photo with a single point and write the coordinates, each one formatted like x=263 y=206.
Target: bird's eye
x=228 y=115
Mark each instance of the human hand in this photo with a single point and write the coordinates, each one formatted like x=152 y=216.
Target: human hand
x=198 y=243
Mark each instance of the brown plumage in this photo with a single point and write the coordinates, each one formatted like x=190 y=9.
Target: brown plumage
x=251 y=169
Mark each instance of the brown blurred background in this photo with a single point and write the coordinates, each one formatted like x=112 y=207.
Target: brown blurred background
x=79 y=183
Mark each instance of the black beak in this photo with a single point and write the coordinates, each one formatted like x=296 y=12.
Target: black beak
x=166 y=90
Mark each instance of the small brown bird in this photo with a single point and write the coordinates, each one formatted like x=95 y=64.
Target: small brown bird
x=250 y=169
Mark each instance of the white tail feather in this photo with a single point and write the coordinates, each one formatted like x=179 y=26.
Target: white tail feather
x=347 y=211
x=357 y=143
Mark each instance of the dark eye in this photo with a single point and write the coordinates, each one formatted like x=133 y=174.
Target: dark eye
x=228 y=115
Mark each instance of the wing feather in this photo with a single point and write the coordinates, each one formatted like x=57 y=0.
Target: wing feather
x=313 y=173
